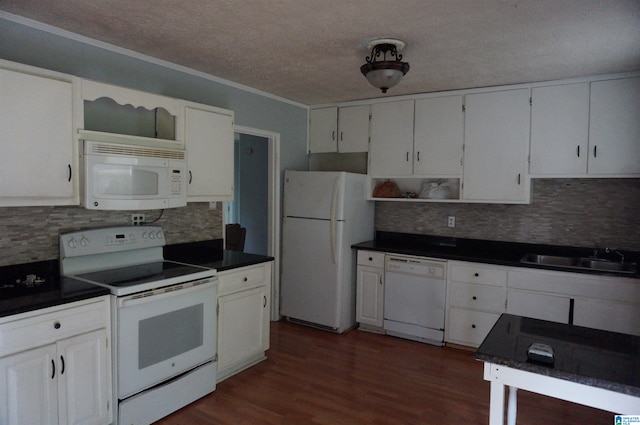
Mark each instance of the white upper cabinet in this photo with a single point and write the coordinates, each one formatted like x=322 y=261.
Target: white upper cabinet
x=497 y=146
x=438 y=137
x=209 y=144
x=343 y=130
x=323 y=129
x=38 y=161
x=559 y=130
x=614 y=127
x=353 y=129
x=391 y=149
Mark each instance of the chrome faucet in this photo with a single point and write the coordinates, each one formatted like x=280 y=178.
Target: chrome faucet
x=621 y=256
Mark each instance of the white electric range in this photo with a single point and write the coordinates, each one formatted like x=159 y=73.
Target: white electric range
x=163 y=318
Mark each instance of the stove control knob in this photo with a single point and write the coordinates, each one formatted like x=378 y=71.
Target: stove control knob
x=152 y=235
x=159 y=234
x=72 y=243
x=84 y=242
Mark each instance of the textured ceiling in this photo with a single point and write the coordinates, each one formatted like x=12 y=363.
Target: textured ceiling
x=310 y=51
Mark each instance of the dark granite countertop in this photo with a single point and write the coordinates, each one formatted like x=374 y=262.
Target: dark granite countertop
x=587 y=356
x=50 y=289
x=18 y=294
x=211 y=254
x=484 y=251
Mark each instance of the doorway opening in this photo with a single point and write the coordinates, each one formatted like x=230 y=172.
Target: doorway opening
x=256 y=204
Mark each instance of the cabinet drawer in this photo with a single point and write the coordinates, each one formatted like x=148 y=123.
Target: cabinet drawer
x=492 y=276
x=242 y=278
x=468 y=327
x=477 y=297
x=45 y=328
x=371 y=258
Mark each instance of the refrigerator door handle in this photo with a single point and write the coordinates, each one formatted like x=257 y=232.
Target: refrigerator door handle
x=334 y=200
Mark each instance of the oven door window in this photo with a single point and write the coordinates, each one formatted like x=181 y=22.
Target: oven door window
x=162 y=336
x=169 y=335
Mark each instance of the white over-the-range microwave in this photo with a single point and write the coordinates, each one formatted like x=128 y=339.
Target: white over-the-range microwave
x=129 y=177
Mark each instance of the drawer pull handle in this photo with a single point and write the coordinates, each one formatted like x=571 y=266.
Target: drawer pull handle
x=264 y=302
x=473 y=326
x=475 y=298
x=57 y=325
x=476 y=274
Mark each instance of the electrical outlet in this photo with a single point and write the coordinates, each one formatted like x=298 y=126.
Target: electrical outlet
x=137 y=219
x=451 y=222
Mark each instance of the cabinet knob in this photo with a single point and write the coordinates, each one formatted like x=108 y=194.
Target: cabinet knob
x=57 y=325
x=370 y=258
x=473 y=326
x=475 y=298
x=476 y=274
x=245 y=279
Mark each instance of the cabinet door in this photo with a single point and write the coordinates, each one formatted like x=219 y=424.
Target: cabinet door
x=614 y=127
x=28 y=387
x=538 y=306
x=496 y=146
x=468 y=327
x=353 y=126
x=209 y=143
x=83 y=379
x=370 y=295
x=559 y=130
x=241 y=322
x=391 y=149
x=438 y=138
x=607 y=315
x=323 y=130
x=36 y=140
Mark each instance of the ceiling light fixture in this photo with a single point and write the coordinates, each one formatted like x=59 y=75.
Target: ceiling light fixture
x=383 y=72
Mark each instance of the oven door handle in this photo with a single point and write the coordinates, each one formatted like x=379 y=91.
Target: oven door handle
x=130 y=301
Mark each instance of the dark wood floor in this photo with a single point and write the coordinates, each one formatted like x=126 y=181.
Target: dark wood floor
x=316 y=377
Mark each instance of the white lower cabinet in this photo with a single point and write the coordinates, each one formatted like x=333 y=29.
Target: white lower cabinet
x=243 y=317
x=469 y=327
x=476 y=298
x=370 y=290
x=539 y=305
x=612 y=316
x=65 y=381
x=601 y=302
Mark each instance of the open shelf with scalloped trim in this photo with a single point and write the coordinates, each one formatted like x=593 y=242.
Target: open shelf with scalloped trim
x=414 y=189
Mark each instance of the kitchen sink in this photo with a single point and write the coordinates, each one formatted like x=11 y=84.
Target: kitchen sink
x=606 y=265
x=550 y=260
x=584 y=263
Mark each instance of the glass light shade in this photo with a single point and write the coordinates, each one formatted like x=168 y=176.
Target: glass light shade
x=384 y=74
x=384 y=78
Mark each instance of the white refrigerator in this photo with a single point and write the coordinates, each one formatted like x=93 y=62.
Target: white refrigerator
x=325 y=212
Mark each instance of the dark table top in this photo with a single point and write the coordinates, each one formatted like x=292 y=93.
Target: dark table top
x=587 y=356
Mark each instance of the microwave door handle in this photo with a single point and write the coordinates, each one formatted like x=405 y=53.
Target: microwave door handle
x=132 y=302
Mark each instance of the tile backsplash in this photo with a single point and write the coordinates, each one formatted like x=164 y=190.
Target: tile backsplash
x=31 y=233
x=573 y=212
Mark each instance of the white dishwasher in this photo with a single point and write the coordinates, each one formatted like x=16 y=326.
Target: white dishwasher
x=414 y=298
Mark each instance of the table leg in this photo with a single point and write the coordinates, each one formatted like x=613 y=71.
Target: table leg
x=496 y=404
x=512 y=407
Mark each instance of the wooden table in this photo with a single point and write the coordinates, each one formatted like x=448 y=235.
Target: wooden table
x=592 y=367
